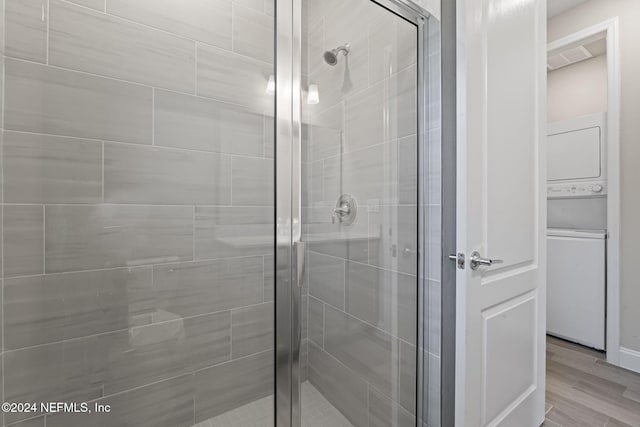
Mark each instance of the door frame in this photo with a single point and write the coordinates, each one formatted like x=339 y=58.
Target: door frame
x=289 y=254
x=608 y=30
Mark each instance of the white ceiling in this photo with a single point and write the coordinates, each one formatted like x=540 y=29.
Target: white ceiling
x=556 y=7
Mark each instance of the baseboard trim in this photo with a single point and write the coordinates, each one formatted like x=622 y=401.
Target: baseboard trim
x=630 y=359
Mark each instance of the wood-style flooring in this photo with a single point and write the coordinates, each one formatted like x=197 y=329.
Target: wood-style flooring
x=583 y=390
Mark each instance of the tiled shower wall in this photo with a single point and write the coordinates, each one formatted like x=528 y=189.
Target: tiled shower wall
x=361 y=140
x=137 y=208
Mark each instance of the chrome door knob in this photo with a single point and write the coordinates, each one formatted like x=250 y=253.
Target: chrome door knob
x=476 y=261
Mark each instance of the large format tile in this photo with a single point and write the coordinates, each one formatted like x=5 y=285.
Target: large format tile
x=93 y=4
x=326 y=133
x=253 y=4
x=50 y=308
x=229 y=77
x=434 y=316
x=408 y=373
x=393 y=45
x=167 y=347
x=252 y=329
x=253 y=33
x=433 y=391
x=50 y=169
x=326 y=278
x=139 y=174
x=230 y=231
x=269 y=272
x=383 y=412
x=312 y=182
x=91 y=237
x=2 y=79
x=207 y=21
x=432 y=180
x=372 y=175
x=102 y=44
x=316 y=321
x=63 y=372
x=406 y=184
x=370 y=352
x=23 y=253
x=164 y=404
x=383 y=298
x=252 y=181
x=434 y=242
x=343 y=241
x=50 y=100
x=341 y=386
x=386 y=111
x=33 y=422
x=233 y=384
x=393 y=240
x=26 y=29
x=194 y=288
x=187 y=121
x=269 y=7
x=402 y=103
x=364 y=118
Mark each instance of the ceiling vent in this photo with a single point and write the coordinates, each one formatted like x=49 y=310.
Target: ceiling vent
x=568 y=57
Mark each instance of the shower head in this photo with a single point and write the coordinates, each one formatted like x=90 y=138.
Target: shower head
x=331 y=56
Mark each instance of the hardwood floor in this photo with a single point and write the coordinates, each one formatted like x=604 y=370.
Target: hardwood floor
x=583 y=390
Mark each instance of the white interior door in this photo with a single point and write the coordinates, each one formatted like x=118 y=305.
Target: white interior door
x=501 y=212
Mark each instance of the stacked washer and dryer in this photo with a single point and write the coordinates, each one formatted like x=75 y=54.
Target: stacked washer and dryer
x=577 y=230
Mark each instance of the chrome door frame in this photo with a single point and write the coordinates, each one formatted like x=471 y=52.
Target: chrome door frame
x=288 y=208
x=288 y=44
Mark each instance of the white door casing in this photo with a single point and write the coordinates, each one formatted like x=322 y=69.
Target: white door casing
x=501 y=212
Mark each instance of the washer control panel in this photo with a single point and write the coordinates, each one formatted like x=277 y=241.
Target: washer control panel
x=576 y=189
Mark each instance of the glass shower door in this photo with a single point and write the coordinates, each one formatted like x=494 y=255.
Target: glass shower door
x=349 y=256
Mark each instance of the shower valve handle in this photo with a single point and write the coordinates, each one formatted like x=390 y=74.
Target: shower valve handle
x=343 y=210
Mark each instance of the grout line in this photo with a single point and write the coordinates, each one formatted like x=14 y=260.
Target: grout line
x=44 y=236
x=233 y=26
x=368 y=403
x=344 y=284
x=133 y=328
x=377 y=328
x=193 y=232
x=231 y=335
x=153 y=116
x=263 y=279
x=388 y=270
x=148 y=205
x=103 y=161
x=323 y=321
x=194 y=400
x=231 y=181
x=135 y=267
x=142 y=146
x=195 y=91
x=129 y=82
x=48 y=15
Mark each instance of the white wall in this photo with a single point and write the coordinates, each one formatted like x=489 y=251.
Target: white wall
x=577 y=90
x=628 y=11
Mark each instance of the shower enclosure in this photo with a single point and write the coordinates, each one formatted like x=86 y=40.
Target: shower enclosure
x=219 y=213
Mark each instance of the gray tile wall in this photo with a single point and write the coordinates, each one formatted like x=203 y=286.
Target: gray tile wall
x=137 y=208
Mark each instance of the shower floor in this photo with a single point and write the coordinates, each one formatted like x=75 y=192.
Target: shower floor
x=316 y=412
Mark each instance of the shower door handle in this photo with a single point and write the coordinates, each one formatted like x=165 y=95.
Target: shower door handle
x=298 y=265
